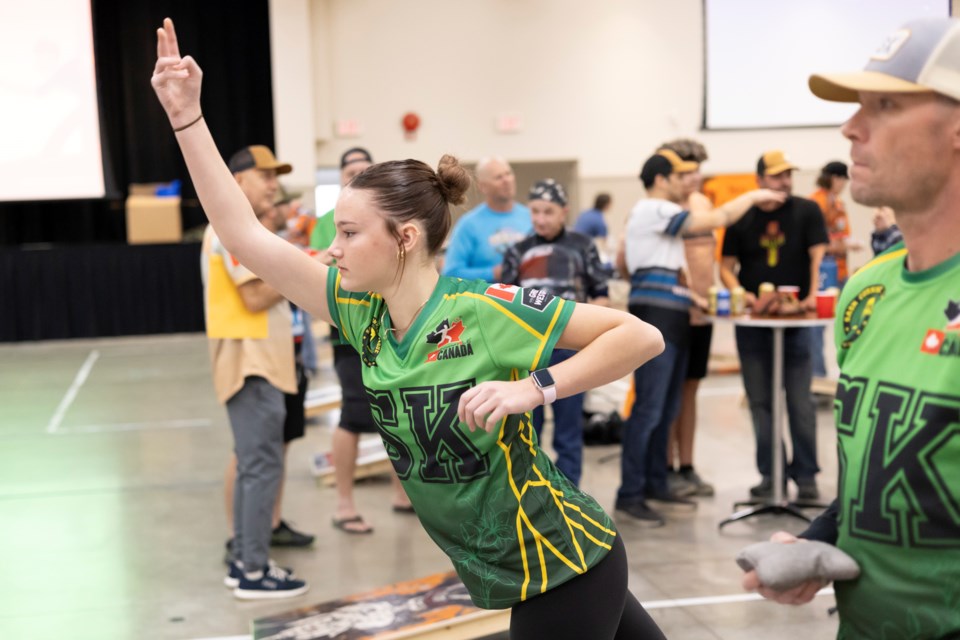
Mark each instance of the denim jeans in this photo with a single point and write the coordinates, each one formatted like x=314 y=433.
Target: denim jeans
x=755 y=347
x=567 y=427
x=659 y=388
x=818 y=362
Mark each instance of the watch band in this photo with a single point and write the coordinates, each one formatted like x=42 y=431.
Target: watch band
x=544 y=382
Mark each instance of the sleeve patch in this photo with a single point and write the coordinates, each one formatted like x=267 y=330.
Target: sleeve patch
x=536 y=299
x=507 y=292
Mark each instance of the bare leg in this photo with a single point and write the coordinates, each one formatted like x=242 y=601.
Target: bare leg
x=345 y=446
x=275 y=522
x=686 y=422
x=400 y=499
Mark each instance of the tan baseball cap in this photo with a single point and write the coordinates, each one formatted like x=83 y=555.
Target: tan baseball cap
x=773 y=163
x=921 y=56
x=257 y=156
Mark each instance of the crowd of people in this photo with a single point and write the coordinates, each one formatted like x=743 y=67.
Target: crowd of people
x=454 y=369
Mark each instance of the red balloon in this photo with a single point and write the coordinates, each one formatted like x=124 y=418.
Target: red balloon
x=411 y=122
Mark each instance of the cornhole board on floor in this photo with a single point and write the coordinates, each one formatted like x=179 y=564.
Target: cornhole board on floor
x=435 y=607
x=372 y=460
x=319 y=401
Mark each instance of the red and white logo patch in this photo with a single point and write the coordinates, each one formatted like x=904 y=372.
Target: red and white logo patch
x=506 y=292
x=933 y=341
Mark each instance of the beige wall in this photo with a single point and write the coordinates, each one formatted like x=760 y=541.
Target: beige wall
x=600 y=83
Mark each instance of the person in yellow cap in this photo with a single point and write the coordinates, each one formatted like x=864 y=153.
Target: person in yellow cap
x=782 y=244
x=898 y=346
x=254 y=370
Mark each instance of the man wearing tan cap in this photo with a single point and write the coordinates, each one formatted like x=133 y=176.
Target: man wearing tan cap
x=652 y=259
x=898 y=346
x=252 y=355
x=781 y=243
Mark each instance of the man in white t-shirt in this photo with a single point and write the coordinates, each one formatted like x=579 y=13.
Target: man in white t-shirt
x=652 y=258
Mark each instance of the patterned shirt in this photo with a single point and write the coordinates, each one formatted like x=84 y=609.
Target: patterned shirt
x=567 y=266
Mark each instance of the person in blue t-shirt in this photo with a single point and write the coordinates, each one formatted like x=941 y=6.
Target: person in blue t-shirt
x=483 y=234
x=592 y=222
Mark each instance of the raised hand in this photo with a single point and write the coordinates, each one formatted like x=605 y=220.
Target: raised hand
x=176 y=80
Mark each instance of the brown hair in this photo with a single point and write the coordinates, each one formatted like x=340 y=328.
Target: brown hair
x=410 y=190
x=687 y=149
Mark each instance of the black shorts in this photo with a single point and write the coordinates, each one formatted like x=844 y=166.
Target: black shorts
x=355 y=414
x=296 y=421
x=699 y=351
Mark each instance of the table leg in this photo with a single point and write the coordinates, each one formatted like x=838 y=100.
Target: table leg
x=778 y=504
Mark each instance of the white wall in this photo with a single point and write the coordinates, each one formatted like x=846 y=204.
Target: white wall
x=600 y=82
x=292 y=70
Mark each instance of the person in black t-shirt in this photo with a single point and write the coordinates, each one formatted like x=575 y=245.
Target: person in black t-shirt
x=782 y=244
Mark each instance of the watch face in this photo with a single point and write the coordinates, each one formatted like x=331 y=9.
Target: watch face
x=543 y=378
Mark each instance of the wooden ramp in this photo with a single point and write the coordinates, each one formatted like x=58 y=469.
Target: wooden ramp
x=372 y=460
x=435 y=607
x=319 y=401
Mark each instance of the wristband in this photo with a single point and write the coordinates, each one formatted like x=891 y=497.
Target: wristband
x=189 y=124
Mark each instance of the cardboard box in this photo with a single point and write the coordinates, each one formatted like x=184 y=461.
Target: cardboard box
x=153 y=220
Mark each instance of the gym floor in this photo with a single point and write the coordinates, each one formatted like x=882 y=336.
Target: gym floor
x=112 y=455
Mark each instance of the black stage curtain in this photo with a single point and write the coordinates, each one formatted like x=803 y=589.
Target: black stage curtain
x=230 y=41
x=100 y=290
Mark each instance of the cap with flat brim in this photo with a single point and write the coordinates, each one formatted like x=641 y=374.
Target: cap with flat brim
x=846 y=87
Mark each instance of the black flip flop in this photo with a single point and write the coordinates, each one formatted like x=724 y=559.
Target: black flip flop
x=404 y=509
x=342 y=522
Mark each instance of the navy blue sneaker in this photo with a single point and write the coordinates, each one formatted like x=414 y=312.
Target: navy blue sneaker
x=275 y=582
x=235 y=572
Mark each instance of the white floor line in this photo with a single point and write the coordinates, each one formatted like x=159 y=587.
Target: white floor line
x=696 y=602
x=138 y=426
x=71 y=394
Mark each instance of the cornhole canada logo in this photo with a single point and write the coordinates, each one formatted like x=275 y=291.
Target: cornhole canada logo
x=858 y=312
x=447 y=337
x=505 y=292
x=945 y=342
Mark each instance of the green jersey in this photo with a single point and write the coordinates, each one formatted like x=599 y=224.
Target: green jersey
x=511 y=523
x=898 y=423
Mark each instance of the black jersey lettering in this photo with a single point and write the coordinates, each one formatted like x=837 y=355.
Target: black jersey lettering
x=904 y=498
x=448 y=455
x=385 y=416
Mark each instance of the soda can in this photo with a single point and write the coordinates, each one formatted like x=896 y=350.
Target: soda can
x=712 y=301
x=738 y=301
x=723 y=302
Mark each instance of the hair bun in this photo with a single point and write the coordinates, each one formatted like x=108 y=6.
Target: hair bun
x=454 y=179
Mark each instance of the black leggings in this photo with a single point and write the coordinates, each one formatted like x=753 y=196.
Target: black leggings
x=595 y=605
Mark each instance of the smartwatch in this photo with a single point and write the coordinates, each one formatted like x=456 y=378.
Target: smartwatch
x=544 y=382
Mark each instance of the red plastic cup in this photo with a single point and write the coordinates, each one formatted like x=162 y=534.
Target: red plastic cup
x=826 y=303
